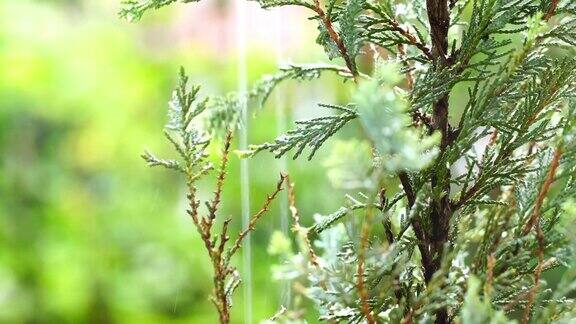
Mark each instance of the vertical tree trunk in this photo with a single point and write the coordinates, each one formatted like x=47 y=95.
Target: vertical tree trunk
x=440 y=213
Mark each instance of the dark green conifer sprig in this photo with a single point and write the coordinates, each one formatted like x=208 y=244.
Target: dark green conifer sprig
x=310 y=133
x=224 y=111
x=186 y=138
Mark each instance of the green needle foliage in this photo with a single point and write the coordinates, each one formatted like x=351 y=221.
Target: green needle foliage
x=134 y=9
x=312 y=132
x=467 y=200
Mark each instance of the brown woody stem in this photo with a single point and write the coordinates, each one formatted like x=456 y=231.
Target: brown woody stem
x=441 y=209
x=336 y=39
x=256 y=217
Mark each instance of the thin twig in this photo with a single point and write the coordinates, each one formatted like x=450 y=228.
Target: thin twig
x=278 y=314
x=537 y=274
x=417 y=115
x=395 y=26
x=361 y=269
x=409 y=77
x=490 y=263
x=534 y=221
x=386 y=220
x=405 y=181
x=203 y=225
x=297 y=227
x=213 y=207
x=254 y=219
x=535 y=217
x=192 y=211
x=551 y=10
x=411 y=38
x=408 y=317
x=423 y=240
x=336 y=39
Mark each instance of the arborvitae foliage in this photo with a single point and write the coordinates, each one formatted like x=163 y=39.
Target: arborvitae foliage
x=487 y=195
x=191 y=144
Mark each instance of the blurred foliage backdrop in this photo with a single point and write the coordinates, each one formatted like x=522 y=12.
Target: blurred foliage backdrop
x=87 y=232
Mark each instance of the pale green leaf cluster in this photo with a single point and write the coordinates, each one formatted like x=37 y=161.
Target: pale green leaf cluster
x=187 y=138
x=349 y=165
x=478 y=310
x=385 y=119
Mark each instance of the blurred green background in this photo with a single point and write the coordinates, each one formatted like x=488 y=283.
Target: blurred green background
x=88 y=233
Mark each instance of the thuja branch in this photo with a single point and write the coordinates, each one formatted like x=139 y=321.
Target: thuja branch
x=191 y=143
x=360 y=272
x=411 y=39
x=439 y=19
x=221 y=295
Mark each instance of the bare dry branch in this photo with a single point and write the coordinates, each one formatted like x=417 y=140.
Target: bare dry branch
x=254 y=219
